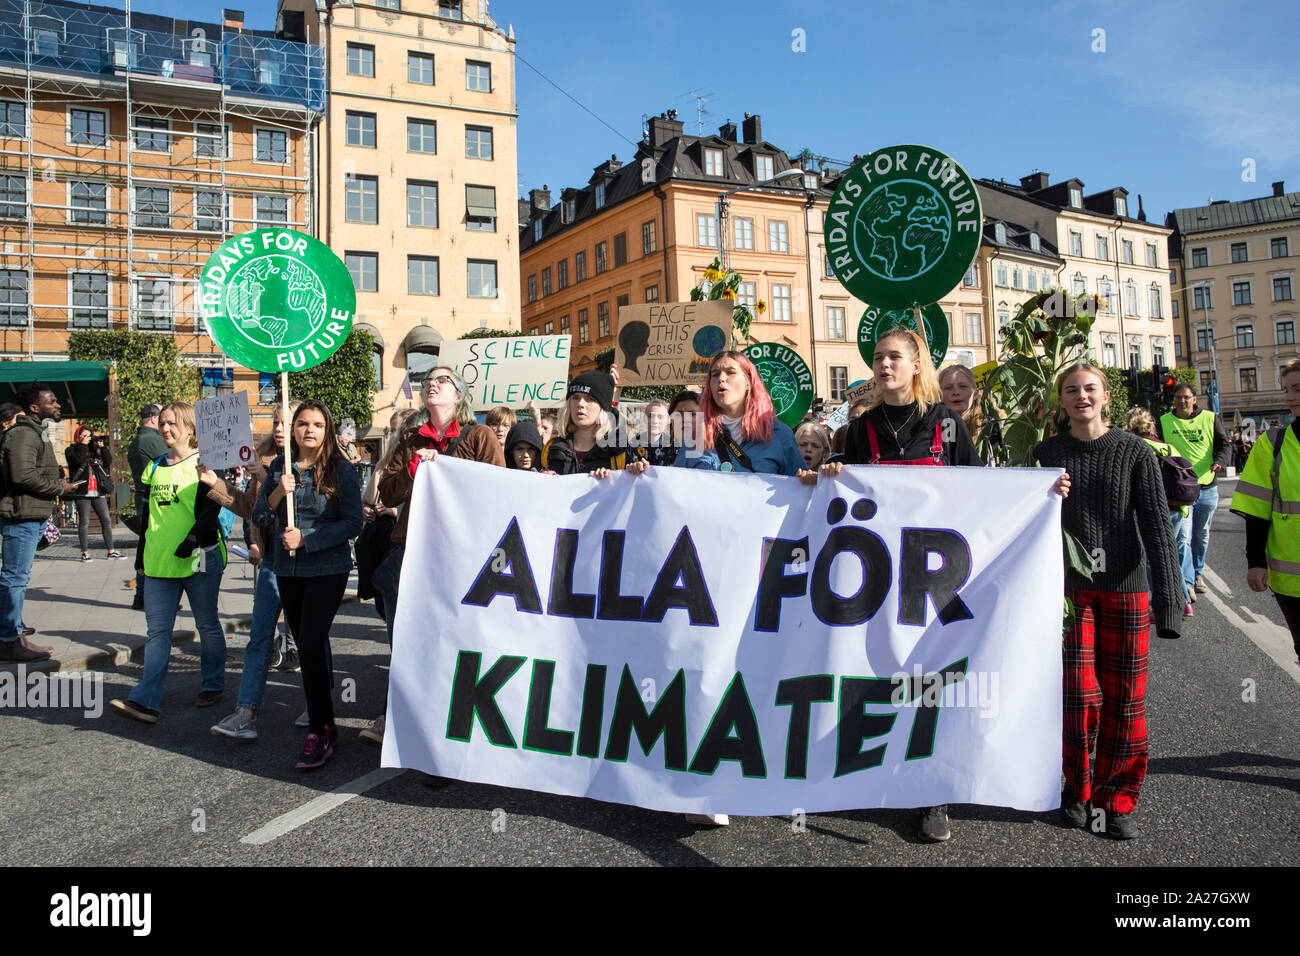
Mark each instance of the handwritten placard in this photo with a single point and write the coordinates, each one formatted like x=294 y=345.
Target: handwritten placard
x=670 y=343
x=511 y=371
x=225 y=430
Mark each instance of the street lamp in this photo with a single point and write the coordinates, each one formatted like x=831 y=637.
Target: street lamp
x=721 y=206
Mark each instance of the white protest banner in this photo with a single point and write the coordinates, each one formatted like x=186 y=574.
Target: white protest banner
x=699 y=642
x=225 y=431
x=670 y=343
x=511 y=371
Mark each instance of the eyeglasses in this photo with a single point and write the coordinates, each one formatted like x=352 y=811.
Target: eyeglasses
x=441 y=380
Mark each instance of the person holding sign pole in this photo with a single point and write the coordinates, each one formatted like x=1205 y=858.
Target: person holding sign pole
x=184 y=552
x=312 y=556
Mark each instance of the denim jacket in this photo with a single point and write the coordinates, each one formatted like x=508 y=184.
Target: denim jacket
x=326 y=524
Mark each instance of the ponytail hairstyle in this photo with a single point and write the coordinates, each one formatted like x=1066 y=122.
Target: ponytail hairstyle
x=327 y=461
x=925 y=383
x=757 y=418
x=973 y=416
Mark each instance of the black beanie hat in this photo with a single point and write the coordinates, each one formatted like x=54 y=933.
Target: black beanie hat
x=596 y=385
x=526 y=432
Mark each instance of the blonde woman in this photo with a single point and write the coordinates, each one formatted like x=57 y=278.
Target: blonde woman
x=962 y=395
x=585 y=439
x=814 y=444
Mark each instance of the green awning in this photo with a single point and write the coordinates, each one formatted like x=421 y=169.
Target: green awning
x=80 y=387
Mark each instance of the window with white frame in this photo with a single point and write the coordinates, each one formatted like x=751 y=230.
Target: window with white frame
x=1000 y=233
x=1001 y=275
x=706 y=229
x=450 y=9
x=713 y=162
x=763 y=168
x=974 y=325
x=1277 y=247
x=419 y=68
x=482 y=278
x=270 y=210
x=13 y=197
x=584 y=327
x=537 y=230
x=1281 y=288
x=1249 y=380
x=13 y=298
x=548 y=328
x=1153 y=302
x=1109 y=356
x=1173 y=306
x=153 y=303
x=652 y=293
x=1178 y=346
x=361 y=199
x=839 y=382
x=478 y=142
x=1121 y=206
x=421 y=135
x=88 y=202
x=1017 y=278
x=648 y=238
x=1130 y=298
x=546 y=281
x=364 y=269
x=89 y=295
x=1238 y=252
x=562 y=274
x=481 y=208
x=781 y=303
x=212 y=140
x=1152 y=259
x=1032 y=280
x=1105 y=290
x=1241 y=293
x=600 y=195
x=87 y=127
x=834 y=322
x=1200 y=258
x=272 y=145
x=1245 y=336
x=153 y=207
x=210 y=213
x=743 y=231
x=971 y=279
x=1126 y=251
x=422 y=275
x=1202 y=297
x=1286 y=332
x=421 y=204
x=152 y=134
x=580 y=265
x=1103 y=248
x=778 y=236
x=830 y=269
x=13 y=119
x=602 y=258
x=1134 y=355
x=602 y=320
x=1078 y=285
x=1076 y=197
x=1076 y=243
x=531 y=287
x=361 y=59
x=478 y=76
x=747 y=295
x=360 y=129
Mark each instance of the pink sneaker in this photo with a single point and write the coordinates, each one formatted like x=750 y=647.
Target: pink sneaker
x=1187 y=609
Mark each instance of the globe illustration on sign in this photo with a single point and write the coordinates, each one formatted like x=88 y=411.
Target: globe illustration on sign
x=276 y=301
x=902 y=229
x=781 y=384
x=709 y=341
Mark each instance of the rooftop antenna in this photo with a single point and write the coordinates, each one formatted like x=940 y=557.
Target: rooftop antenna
x=700 y=111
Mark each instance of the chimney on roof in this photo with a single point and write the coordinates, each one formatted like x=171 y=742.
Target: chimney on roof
x=753 y=128
x=663 y=128
x=234 y=19
x=1279 y=188
x=525 y=210
x=1033 y=182
x=1142 y=213
x=728 y=131
x=539 y=201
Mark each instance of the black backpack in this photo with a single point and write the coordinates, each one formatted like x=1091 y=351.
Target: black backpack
x=1182 y=487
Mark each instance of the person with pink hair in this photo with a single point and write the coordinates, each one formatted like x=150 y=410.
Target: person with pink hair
x=737 y=429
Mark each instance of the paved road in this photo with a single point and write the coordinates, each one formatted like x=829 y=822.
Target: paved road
x=1223 y=707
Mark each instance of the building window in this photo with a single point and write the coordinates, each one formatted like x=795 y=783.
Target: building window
x=361 y=59
x=1126 y=251
x=1076 y=243
x=90 y=300
x=1001 y=275
x=1103 y=248
x=601 y=262
x=421 y=204
x=361 y=199
x=1108 y=355
x=90 y=128
x=153 y=134
x=1245 y=336
x=210 y=213
x=1151 y=255
x=763 y=168
x=1201 y=297
x=1241 y=293
x=567 y=208
x=600 y=195
x=1239 y=252
x=421 y=136
x=652 y=293
x=419 y=68
x=1131 y=298
x=1078 y=285
x=1076 y=197
x=13 y=120
x=1017 y=278
x=1282 y=289
x=1200 y=258
x=532 y=288
x=361 y=129
x=449 y=9
x=272 y=145
x=781 y=311
x=478 y=142
x=364 y=269
x=970 y=280
x=212 y=141
x=1000 y=233
x=713 y=162
x=548 y=328
x=13 y=297
x=743 y=231
x=834 y=322
x=839 y=382
x=481 y=208
x=1286 y=333
x=537 y=230
x=1106 y=292
x=1277 y=248
x=1153 y=302
x=89 y=201
x=562 y=274
x=778 y=236
x=1134 y=355
x=564 y=325
x=153 y=304
x=1121 y=206
x=482 y=278
x=269 y=210
x=153 y=207
x=584 y=332
x=546 y=281
x=830 y=270
x=1206 y=379
x=1202 y=340
x=422 y=275
x=747 y=295
x=1157 y=354
x=1178 y=346
x=1033 y=281
x=620 y=249
x=1173 y=306
x=1047 y=281
x=1033 y=242
x=602 y=320
x=1249 y=380
x=973 y=328
x=810 y=182
x=579 y=266
x=648 y=237
x=478 y=76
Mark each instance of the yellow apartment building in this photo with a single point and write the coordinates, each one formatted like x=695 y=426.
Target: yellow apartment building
x=416 y=171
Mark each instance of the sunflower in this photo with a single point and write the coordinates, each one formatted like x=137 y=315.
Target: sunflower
x=761 y=306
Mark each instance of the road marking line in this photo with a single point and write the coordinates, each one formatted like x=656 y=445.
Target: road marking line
x=1209 y=575
x=1272 y=639
x=321 y=805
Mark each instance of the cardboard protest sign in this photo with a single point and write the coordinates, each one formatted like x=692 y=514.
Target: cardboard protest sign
x=982 y=373
x=225 y=431
x=862 y=388
x=876 y=640
x=670 y=343
x=510 y=371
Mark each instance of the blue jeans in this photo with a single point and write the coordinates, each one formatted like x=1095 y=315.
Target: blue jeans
x=261 y=636
x=18 y=551
x=1182 y=530
x=161 y=596
x=1202 y=514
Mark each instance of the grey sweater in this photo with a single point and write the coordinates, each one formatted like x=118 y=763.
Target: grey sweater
x=1117 y=504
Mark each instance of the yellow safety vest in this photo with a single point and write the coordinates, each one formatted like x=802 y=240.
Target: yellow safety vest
x=1193 y=439
x=1275 y=497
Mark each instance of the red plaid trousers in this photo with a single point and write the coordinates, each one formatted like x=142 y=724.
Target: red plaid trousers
x=1105 y=697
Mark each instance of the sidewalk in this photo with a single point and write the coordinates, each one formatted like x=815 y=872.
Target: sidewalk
x=83 y=609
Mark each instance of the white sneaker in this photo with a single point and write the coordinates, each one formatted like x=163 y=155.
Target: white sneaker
x=242 y=725
x=709 y=819
x=304 y=720
x=374 y=734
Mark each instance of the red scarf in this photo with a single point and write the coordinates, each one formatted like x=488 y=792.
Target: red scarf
x=440 y=442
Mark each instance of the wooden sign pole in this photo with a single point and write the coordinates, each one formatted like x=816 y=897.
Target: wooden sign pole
x=288 y=444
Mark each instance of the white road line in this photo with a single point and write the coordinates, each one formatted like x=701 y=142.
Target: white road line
x=1208 y=573
x=1273 y=639
x=320 y=806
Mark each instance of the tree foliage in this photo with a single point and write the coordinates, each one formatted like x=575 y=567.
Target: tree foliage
x=346 y=381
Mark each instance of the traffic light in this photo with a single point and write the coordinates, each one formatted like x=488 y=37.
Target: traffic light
x=1167 y=383
x=1131 y=383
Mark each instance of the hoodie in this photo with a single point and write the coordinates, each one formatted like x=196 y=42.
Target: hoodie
x=526 y=432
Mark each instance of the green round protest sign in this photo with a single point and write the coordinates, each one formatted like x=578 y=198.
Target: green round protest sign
x=876 y=322
x=277 y=300
x=786 y=377
x=903 y=226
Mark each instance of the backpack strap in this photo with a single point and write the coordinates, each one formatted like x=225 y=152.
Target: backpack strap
x=872 y=441
x=936 y=446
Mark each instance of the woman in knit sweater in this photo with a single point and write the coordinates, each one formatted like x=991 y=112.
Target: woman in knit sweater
x=1117 y=509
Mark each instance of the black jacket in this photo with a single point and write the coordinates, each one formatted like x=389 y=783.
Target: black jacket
x=83 y=458
x=29 y=472
x=914 y=438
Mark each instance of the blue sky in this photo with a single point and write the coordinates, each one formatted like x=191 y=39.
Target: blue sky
x=1182 y=95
